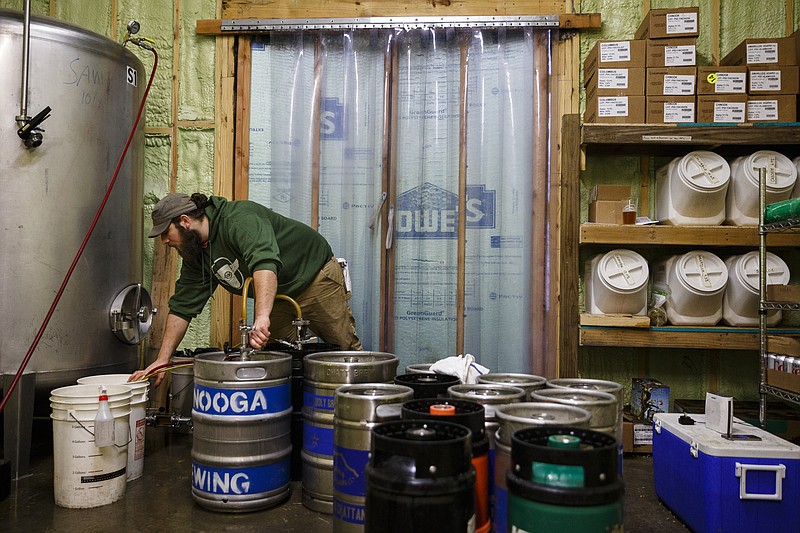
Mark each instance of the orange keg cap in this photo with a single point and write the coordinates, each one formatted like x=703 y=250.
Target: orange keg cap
x=442 y=409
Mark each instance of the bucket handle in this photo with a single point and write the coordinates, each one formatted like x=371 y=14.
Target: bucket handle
x=130 y=435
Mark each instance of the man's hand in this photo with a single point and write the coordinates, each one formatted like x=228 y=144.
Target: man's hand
x=260 y=333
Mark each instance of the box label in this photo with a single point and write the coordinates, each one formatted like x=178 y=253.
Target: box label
x=678 y=84
x=681 y=23
x=679 y=112
x=765 y=80
x=615 y=51
x=612 y=78
x=729 y=111
x=762 y=53
x=642 y=435
x=762 y=110
x=612 y=106
x=679 y=56
x=728 y=82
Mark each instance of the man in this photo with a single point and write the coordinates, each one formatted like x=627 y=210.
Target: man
x=224 y=243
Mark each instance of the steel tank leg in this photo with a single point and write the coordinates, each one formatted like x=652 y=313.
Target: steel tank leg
x=18 y=423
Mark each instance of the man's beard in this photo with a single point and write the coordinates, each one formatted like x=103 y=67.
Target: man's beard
x=191 y=246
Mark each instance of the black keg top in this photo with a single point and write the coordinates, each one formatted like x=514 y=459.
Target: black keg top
x=468 y=413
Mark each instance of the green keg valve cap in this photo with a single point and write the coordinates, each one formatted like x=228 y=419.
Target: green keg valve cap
x=565 y=442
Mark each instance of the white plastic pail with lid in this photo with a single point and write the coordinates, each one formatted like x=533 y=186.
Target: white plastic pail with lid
x=741 y=204
x=138 y=418
x=85 y=475
x=697 y=282
x=616 y=282
x=740 y=303
x=690 y=190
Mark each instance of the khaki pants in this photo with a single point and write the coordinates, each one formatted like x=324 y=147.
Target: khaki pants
x=324 y=305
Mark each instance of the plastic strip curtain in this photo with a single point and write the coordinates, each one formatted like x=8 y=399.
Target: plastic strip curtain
x=507 y=92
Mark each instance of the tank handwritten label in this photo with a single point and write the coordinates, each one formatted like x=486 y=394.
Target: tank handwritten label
x=623 y=269
x=314 y=401
x=706 y=171
x=247 y=402
x=250 y=480
x=318 y=440
x=348 y=512
x=701 y=266
x=348 y=470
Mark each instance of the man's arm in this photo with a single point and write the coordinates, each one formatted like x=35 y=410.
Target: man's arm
x=173 y=335
x=265 y=287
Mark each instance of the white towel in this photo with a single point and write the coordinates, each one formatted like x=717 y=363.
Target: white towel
x=462 y=366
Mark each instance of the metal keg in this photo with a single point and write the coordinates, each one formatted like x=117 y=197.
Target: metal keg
x=610 y=387
x=488 y=396
x=526 y=382
x=324 y=372
x=428 y=385
x=516 y=416
x=564 y=480
x=423 y=368
x=420 y=478
x=242 y=446
x=602 y=406
x=297 y=393
x=470 y=415
x=358 y=408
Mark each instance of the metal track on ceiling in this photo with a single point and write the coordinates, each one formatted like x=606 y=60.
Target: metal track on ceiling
x=267 y=25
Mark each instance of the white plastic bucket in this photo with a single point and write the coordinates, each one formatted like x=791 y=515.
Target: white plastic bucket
x=741 y=205
x=697 y=282
x=84 y=475
x=138 y=418
x=616 y=282
x=740 y=303
x=690 y=190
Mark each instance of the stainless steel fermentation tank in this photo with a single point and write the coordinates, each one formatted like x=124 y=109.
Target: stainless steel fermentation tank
x=48 y=197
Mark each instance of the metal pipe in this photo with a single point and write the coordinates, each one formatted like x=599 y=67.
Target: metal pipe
x=26 y=41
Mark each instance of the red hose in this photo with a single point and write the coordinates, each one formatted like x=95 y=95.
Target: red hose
x=83 y=244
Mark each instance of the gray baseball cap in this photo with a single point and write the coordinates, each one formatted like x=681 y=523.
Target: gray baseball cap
x=169 y=207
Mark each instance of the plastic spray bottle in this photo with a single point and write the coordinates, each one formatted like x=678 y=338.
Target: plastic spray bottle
x=103 y=422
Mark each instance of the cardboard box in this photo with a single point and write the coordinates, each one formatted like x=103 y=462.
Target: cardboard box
x=730 y=108
x=613 y=54
x=637 y=436
x=783 y=380
x=781 y=79
x=783 y=293
x=670 y=109
x=678 y=52
x=648 y=397
x=616 y=82
x=672 y=81
x=784 y=344
x=722 y=80
x=674 y=22
x=772 y=108
x=774 y=51
x=606 y=203
x=615 y=110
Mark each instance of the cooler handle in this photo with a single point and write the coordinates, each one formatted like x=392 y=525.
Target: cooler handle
x=741 y=473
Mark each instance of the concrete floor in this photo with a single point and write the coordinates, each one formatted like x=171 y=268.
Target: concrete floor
x=161 y=499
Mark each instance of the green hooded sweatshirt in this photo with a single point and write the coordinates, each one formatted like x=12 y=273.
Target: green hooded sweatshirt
x=244 y=237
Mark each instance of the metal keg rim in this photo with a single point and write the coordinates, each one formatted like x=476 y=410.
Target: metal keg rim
x=589 y=396
x=505 y=412
x=504 y=391
x=585 y=383
x=360 y=390
x=513 y=379
x=324 y=358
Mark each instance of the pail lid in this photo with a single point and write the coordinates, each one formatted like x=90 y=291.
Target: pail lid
x=781 y=172
x=704 y=170
x=747 y=268
x=701 y=272
x=623 y=270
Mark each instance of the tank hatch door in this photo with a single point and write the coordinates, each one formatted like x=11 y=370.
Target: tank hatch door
x=131 y=314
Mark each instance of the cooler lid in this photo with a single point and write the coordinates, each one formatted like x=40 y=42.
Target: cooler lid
x=624 y=270
x=714 y=444
x=748 y=267
x=702 y=271
x=781 y=172
x=705 y=170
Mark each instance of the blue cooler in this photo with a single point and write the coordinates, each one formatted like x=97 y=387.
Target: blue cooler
x=718 y=485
